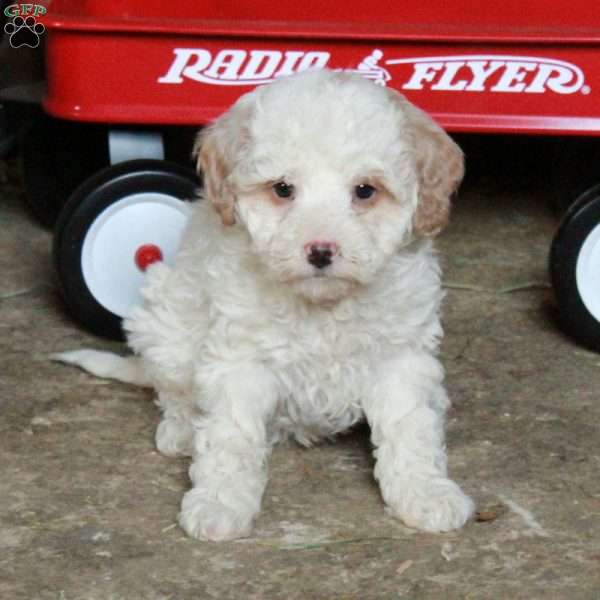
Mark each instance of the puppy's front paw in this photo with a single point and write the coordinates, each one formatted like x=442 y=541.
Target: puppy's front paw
x=210 y=520
x=435 y=505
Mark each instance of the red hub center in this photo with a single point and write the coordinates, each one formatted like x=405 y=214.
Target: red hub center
x=147 y=254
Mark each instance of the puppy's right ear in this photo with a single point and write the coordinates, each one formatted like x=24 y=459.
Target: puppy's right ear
x=216 y=150
x=212 y=166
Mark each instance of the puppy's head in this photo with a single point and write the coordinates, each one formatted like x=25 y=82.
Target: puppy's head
x=330 y=175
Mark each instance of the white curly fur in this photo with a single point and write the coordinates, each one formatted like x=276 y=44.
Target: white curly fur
x=246 y=342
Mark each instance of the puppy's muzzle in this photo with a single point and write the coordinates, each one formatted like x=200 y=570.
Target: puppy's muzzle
x=320 y=254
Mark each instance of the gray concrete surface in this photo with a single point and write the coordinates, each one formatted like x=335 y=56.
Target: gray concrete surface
x=88 y=508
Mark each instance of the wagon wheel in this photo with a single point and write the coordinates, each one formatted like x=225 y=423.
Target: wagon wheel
x=575 y=269
x=112 y=227
x=575 y=163
x=56 y=157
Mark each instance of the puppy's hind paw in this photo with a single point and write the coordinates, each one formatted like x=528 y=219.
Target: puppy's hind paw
x=435 y=505
x=212 y=521
x=174 y=437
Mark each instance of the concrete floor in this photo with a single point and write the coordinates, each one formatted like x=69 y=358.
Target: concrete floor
x=88 y=508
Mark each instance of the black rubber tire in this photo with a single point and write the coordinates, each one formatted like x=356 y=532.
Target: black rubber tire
x=56 y=157
x=83 y=208
x=577 y=224
x=574 y=167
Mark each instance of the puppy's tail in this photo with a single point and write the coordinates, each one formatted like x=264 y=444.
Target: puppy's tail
x=128 y=369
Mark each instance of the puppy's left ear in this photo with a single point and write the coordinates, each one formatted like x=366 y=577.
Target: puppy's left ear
x=440 y=166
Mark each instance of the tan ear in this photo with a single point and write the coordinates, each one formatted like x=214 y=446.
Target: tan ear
x=440 y=166
x=211 y=164
x=216 y=149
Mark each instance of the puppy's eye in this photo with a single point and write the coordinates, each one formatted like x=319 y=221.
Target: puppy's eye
x=364 y=191
x=283 y=189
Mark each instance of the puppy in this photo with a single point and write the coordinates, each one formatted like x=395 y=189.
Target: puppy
x=304 y=298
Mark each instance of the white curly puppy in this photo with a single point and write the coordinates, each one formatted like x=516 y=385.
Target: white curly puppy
x=308 y=300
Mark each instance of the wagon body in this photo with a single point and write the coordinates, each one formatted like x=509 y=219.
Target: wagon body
x=519 y=67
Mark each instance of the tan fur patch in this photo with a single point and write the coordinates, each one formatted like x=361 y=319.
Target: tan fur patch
x=440 y=168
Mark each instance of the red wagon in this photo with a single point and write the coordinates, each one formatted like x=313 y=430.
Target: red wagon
x=518 y=66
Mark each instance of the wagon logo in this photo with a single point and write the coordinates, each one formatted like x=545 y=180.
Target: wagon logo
x=493 y=73
x=469 y=73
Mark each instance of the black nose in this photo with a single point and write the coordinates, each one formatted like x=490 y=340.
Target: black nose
x=319 y=257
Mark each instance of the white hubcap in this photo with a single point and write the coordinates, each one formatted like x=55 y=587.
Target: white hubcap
x=108 y=256
x=588 y=272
